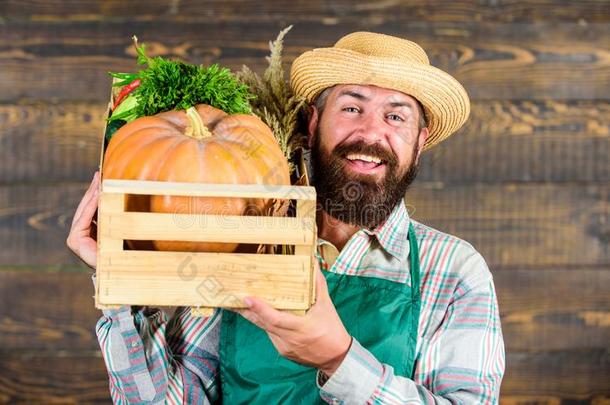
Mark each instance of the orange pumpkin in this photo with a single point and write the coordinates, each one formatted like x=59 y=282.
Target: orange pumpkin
x=200 y=145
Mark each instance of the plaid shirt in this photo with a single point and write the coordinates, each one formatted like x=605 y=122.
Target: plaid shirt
x=459 y=355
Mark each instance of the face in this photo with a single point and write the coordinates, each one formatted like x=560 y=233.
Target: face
x=365 y=152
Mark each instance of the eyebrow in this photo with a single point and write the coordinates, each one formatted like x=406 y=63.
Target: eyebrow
x=362 y=97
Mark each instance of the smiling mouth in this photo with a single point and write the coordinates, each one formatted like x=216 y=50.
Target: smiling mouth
x=363 y=162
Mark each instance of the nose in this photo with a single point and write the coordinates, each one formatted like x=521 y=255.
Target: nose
x=372 y=128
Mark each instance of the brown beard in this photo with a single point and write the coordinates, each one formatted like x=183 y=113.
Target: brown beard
x=355 y=199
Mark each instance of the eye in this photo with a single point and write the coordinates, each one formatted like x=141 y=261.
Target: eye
x=351 y=109
x=395 y=117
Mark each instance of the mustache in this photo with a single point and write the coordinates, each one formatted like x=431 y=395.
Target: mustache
x=373 y=149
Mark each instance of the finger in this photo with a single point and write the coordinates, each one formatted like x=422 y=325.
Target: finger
x=94 y=181
x=92 y=186
x=256 y=320
x=271 y=317
x=83 y=221
x=89 y=194
x=89 y=198
x=252 y=317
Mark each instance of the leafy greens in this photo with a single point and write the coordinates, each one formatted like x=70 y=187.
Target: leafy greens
x=174 y=85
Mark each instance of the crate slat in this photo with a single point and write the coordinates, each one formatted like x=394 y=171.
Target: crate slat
x=106 y=245
x=144 y=259
x=208 y=190
x=205 y=279
x=208 y=228
x=307 y=208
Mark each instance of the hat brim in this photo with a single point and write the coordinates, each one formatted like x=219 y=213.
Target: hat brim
x=445 y=101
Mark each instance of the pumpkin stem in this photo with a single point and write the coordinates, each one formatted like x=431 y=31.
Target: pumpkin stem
x=196 y=128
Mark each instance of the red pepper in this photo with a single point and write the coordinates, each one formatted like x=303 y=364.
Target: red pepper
x=125 y=92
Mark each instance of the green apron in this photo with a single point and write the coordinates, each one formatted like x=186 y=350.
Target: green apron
x=381 y=314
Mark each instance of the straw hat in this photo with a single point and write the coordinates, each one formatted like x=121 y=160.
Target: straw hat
x=368 y=58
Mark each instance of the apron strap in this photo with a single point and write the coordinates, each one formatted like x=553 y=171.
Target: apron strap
x=414 y=263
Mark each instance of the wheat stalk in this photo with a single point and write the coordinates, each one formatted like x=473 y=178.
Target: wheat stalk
x=275 y=102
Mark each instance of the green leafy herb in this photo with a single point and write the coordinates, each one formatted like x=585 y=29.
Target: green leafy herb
x=174 y=85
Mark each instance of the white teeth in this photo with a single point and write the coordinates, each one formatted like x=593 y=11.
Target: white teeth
x=365 y=158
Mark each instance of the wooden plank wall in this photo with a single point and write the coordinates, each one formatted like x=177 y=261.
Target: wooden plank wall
x=526 y=181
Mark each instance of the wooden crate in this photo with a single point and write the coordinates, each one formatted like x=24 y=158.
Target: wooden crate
x=202 y=280
x=197 y=279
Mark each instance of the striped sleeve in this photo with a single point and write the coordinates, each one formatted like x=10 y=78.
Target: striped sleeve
x=149 y=359
x=463 y=361
x=194 y=342
x=133 y=349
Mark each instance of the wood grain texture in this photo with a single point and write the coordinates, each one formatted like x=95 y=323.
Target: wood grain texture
x=554 y=309
x=68 y=60
x=34 y=224
x=525 y=141
x=521 y=225
x=577 y=373
x=53 y=378
x=42 y=142
x=63 y=321
x=203 y=279
x=219 y=228
x=302 y=10
x=527 y=225
x=149 y=187
x=503 y=141
x=553 y=400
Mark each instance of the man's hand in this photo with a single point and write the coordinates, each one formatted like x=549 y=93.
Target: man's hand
x=317 y=339
x=80 y=239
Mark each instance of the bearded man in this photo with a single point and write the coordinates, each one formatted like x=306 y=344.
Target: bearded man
x=404 y=313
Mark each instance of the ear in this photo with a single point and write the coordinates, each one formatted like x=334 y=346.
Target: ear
x=311 y=126
x=422 y=137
